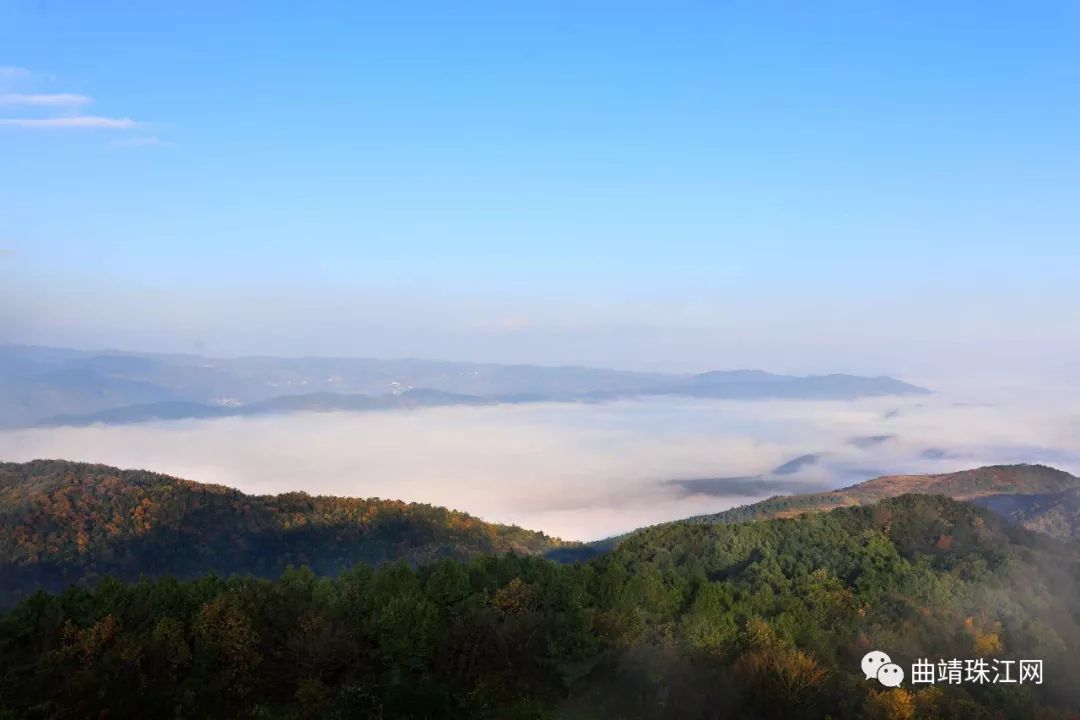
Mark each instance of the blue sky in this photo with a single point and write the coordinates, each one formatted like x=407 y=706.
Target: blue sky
x=876 y=187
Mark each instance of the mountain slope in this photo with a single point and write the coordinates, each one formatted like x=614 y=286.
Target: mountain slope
x=1021 y=484
x=717 y=622
x=63 y=522
x=1056 y=514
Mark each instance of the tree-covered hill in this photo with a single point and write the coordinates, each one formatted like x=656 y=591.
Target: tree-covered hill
x=695 y=621
x=1022 y=485
x=63 y=522
x=1056 y=514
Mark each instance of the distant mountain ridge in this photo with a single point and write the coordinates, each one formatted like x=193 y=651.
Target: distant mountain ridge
x=58 y=386
x=65 y=522
x=313 y=402
x=1038 y=497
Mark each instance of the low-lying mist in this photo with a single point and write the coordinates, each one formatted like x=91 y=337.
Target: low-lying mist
x=585 y=471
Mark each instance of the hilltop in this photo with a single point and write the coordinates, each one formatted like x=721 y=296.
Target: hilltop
x=63 y=522
x=1026 y=494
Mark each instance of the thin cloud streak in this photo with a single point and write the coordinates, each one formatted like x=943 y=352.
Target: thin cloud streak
x=8 y=72
x=44 y=100
x=142 y=141
x=74 y=122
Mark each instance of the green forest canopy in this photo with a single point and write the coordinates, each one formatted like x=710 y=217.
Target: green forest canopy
x=766 y=619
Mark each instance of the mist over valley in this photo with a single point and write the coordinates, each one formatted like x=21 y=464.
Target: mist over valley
x=581 y=470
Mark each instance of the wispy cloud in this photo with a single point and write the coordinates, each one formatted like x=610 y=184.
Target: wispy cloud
x=8 y=252
x=10 y=74
x=53 y=100
x=36 y=108
x=140 y=141
x=74 y=121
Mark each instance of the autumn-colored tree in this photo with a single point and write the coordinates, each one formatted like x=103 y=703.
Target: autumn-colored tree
x=228 y=643
x=892 y=704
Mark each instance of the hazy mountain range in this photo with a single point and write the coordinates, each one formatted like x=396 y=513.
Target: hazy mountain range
x=60 y=387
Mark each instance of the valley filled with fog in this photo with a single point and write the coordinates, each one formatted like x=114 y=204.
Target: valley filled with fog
x=587 y=470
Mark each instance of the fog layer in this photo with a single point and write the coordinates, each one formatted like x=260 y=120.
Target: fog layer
x=582 y=471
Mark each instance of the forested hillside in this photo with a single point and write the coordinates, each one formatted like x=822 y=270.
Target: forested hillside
x=1039 y=497
x=63 y=522
x=766 y=619
x=1056 y=514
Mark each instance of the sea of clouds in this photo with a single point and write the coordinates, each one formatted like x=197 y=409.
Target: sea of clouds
x=586 y=471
